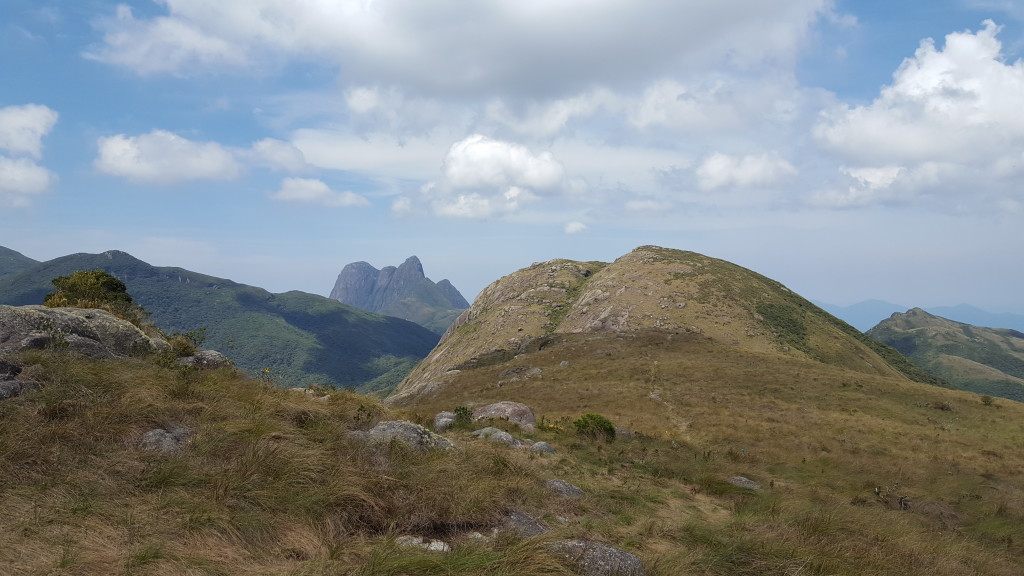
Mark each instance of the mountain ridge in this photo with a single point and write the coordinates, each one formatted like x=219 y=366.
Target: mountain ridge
x=294 y=338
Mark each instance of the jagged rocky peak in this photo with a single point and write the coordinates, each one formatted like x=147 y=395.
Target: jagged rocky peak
x=402 y=291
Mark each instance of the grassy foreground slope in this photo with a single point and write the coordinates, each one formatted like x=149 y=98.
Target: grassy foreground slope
x=302 y=339
x=983 y=360
x=270 y=483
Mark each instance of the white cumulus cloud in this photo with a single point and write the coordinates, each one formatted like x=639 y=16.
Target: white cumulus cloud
x=22 y=128
x=162 y=157
x=20 y=179
x=483 y=177
x=481 y=162
x=313 y=191
x=951 y=118
x=723 y=171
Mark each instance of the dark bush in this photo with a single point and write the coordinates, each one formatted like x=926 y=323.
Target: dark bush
x=595 y=427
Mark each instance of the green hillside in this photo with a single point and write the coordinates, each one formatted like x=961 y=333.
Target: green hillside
x=983 y=360
x=294 y=339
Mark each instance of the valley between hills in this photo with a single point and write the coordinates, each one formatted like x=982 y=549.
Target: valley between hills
x=754 y=433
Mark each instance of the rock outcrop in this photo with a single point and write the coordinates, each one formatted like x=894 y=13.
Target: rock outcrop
x=514 y=412
x=404 y=292
x=90 y=332
x=412 y=435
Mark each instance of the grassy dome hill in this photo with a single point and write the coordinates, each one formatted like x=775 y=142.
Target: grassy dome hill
x=653 y=294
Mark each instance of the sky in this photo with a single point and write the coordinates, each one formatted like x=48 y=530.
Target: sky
x=851 y=150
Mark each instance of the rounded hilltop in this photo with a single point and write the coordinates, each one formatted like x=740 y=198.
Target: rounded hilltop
x=650 y=289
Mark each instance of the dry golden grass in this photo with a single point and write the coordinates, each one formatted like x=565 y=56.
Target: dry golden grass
x=819 y=439
x=269 y=484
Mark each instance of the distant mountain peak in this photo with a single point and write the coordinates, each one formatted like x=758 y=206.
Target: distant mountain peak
x=402 y=291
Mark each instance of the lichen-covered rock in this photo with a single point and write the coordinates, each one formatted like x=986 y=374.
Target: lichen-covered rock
x=515 y=412
x=497 y=435
x=542 y=448
x=206 y=360
x=595 y=559
x=565 y=489
x=87 y=331
x=523 y=524
x=444 y=421
x=412 y=435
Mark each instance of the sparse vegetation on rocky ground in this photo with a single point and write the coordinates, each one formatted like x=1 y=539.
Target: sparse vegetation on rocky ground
x=262 y=480
x=818 y=440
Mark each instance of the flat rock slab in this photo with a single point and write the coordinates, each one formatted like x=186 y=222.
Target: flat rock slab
x=744 y=483
x=595 y=559
x=523 y=524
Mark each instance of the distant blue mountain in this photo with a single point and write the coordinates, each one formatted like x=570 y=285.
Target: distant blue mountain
x=866 y=315
x=863 y=315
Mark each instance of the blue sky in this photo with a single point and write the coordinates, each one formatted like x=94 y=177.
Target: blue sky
x=851 y=150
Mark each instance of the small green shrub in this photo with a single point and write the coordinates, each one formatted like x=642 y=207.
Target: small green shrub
x=595 y=426
x=463 y=417
x=95 y=289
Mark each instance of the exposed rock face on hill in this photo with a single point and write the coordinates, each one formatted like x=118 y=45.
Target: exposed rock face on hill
x=983 y=360
x=649 y=289
x=90 y=332
x=404 y=292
